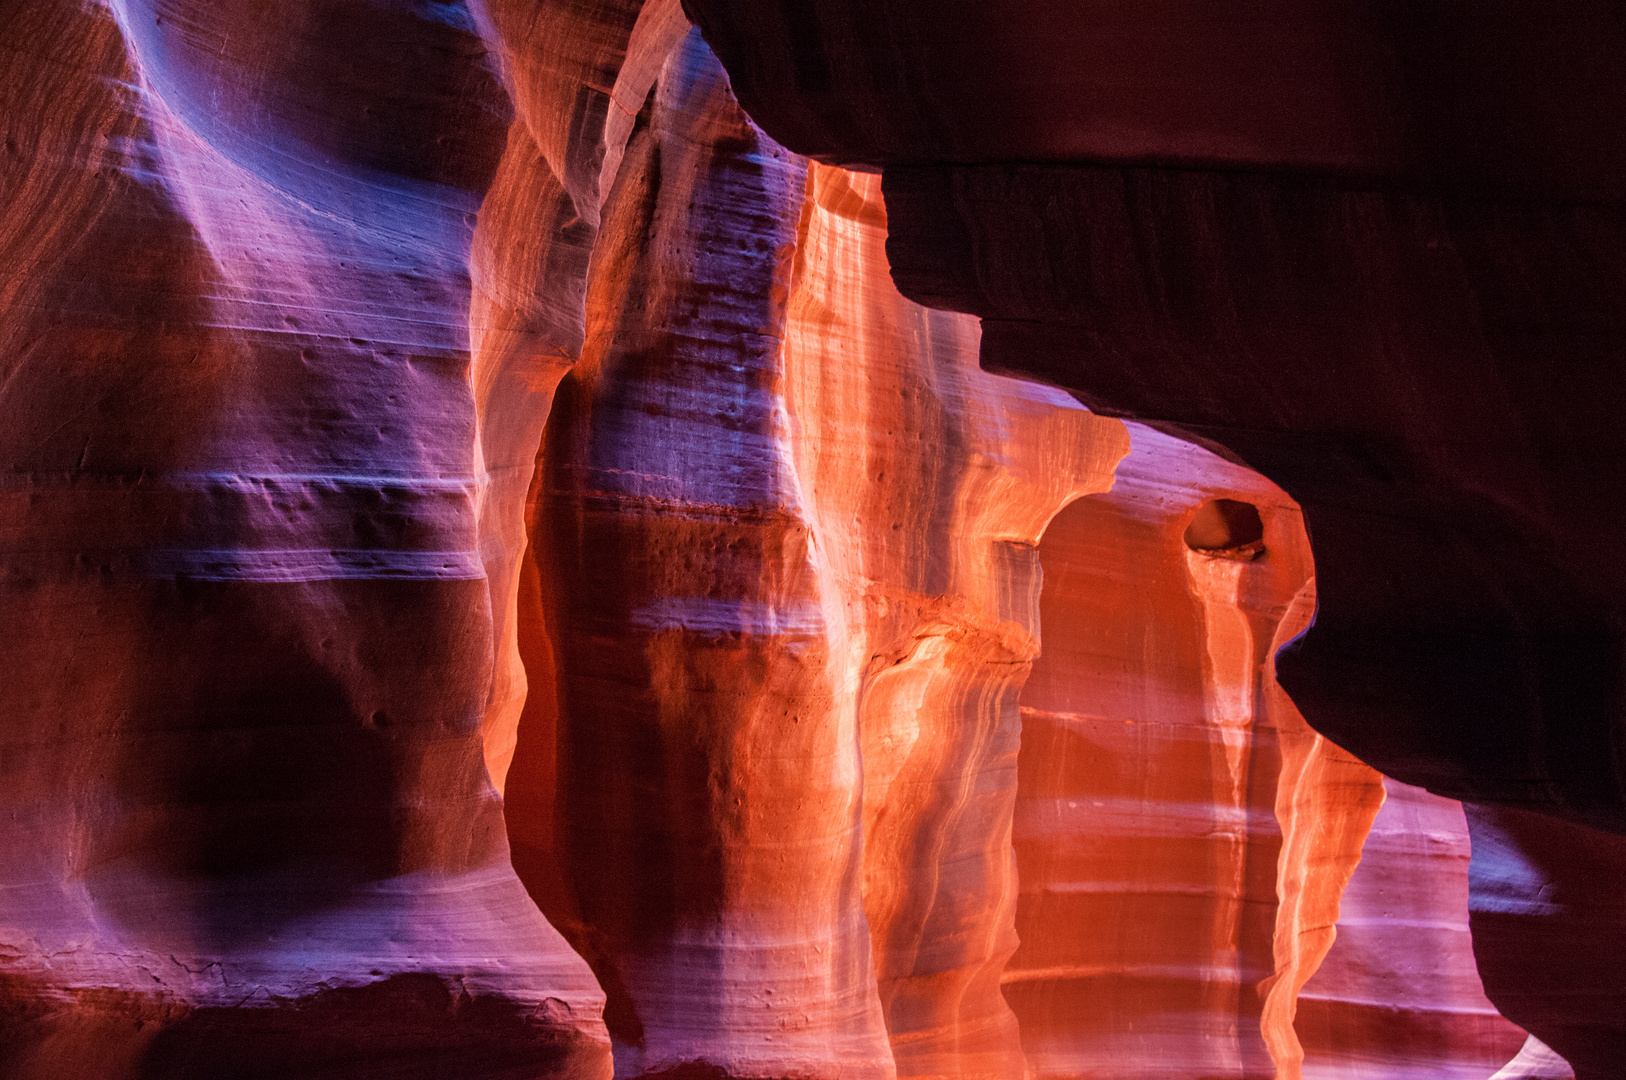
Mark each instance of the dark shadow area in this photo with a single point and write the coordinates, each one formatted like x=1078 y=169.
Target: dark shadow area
x=1227 y=529
x=406 y=1027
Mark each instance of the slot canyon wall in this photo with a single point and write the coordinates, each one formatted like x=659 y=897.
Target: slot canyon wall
x=1375 y=252
x=500 y=582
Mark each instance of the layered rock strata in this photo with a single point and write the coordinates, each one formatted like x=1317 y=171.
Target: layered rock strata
x=1182 y=837
x=1399 y=993
x=256 y=530
x=786 y=583
x=1377 y=253
x=290 y=588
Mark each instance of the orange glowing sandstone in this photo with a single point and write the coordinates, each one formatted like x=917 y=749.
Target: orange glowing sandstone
x=1182 y=836
x=306 y=564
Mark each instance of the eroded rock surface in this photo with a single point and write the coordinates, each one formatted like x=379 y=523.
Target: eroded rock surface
x=1399 y=992
x=785 y=542
x=1182 y=836
x=1545 y=897
x=1387 y=274
x=464 y=479
x=254 y=681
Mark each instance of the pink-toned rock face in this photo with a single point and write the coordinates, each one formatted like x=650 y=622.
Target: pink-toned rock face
x=499 y=582
x=707 y=780
x=935 y=565
x=1377 y=252
x=1399 y=991
x=248 y=578
x=1184 y=841
x=784 y=537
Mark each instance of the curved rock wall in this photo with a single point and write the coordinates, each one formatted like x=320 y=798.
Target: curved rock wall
x=1182 y=837
x=250 y=571
x=1399 y=993
x=408 y=402
x=785 y=548
x=708 y=779
x=1377 y=252
x=1545 y=899
x=1184 y=840
x=577 y=77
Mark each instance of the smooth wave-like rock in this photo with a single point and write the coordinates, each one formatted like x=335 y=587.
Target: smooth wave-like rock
x=785 y=561
x=1182 y=837
x=701 y=761
x=1545 y=897
x=1376 y=253
x=936 y=568
x=248 y=579
x=1535 y=1061
x=1399 y=992
x=499 y=581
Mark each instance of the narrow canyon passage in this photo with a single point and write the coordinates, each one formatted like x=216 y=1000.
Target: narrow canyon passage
x=789 y=611
x=509 y=571
x=1161 y=768
x=1182 y=837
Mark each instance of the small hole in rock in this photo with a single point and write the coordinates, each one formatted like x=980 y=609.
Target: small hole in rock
x=1227 y=529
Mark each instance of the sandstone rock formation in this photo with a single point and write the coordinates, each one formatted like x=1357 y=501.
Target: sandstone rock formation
x=1182 y=837
x=1374 y=252
x=1546 y=896
x=785 y=542
x=499 y=581
x=1535 y=1061
x=251 y=557
x=1399 y=992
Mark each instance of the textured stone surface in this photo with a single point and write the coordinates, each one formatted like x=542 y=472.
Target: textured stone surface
x=785 y=554
x=938 y=575
x=248 y=575
x=706 y=798
x=1399 y=994
x=1192 y=298
x=1182 y=837
x=1459 y=642
x=1390 y=280
x=302 y=566
x=1546 y=899
x=1535 y=1061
